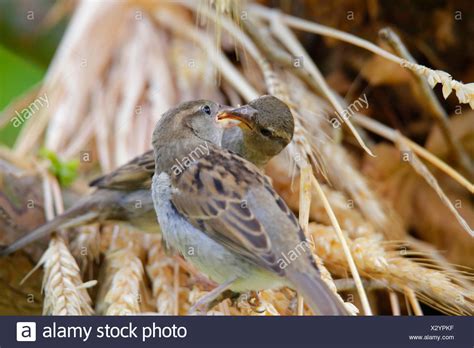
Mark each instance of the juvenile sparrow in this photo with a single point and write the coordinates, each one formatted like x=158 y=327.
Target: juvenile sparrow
x=265 y=127
x=222 y=214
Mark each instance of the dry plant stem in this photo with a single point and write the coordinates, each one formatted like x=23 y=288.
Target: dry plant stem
x=233 y=76
x=423 y=171
x=377 y=260
x=434 y=254
x=345 y=247
x=319 y=29
x=415 y=305
x=379 y=219
x=392 y=135
x=305 y=205
x=464 y=92
x=58 y=203
x=432 y=103
x=277 y=54
x=348 y=284
x=294 y=46
x=394 y=303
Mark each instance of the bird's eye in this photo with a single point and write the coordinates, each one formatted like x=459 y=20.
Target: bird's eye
x=266 y=132
x=206 y=109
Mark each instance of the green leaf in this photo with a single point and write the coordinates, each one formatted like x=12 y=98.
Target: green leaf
x=17 y=76
x=64 y=171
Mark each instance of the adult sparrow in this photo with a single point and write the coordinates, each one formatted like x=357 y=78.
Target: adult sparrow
x=222 y=214
x=265 y=127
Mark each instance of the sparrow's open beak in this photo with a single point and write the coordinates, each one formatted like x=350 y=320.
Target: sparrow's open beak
x=242 y=116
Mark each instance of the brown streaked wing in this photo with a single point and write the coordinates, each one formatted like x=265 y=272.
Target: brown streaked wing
x=211 y=194
x=133 y=175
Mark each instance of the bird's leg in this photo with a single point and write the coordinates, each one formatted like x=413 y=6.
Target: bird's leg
x=209 y=300
x=227 y=294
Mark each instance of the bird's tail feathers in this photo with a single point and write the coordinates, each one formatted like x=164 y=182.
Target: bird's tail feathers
x=316 y=293
x=71 y=218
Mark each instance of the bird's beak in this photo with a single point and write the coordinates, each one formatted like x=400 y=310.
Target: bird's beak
x=242 y=116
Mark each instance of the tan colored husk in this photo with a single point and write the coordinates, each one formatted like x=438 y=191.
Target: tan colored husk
x=85 y=247
x=122 y=290
x=62 y=284
x=123 y=297
x=434 y=287
x=160 y=270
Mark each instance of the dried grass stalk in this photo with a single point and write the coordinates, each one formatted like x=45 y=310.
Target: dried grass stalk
x=423 y=171
x=431 y=102
x=436 y=287
x=294 y=46
x=464 y=92
x=392 y=135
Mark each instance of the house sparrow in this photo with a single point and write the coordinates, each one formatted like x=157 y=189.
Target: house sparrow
x=265 y=127
x=222 y=214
